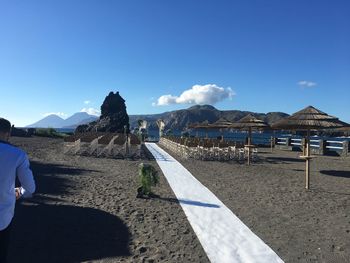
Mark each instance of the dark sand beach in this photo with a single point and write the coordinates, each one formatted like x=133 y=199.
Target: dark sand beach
x=269 y=197
x=85 y=208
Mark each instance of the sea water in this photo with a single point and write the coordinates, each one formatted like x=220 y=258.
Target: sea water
x=262 y=138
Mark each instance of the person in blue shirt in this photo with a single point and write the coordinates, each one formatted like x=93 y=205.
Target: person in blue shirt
x=13 y=163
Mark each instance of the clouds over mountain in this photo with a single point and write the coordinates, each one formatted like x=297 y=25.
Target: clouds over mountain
x=198 y=94
x=91 y=111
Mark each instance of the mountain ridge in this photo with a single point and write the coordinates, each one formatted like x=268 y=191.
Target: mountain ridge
x=180 y=119
x=175 y=120
x=54 y=121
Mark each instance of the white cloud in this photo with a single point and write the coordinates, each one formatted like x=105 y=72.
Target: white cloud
x=165 y=100
x=91 y=111
x=87 y=102
x=198 y=94
x=60 y=114
x=307 y=84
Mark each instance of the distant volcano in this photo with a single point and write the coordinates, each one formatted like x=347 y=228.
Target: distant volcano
x=176 y=120
x=54 y=121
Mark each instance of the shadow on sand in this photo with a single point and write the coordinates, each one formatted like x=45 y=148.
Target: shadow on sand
x=185 y=202
x=40 y=168
x=344 y=174
x=54 y=179
x=283 y=159
x=43 y=232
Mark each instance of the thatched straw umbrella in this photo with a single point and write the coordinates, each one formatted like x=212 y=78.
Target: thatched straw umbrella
x=219 y=124
x=345 y=130
x=308 y=119
x=250 y=122
x=204 y=125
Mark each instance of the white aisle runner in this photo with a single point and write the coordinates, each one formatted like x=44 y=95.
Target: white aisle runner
x=223 y=236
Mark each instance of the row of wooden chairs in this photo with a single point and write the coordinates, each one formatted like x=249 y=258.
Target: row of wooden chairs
x=113 y=145
x=208 y=149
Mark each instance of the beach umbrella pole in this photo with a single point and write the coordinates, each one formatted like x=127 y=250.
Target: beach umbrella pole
x=307 y=169
x=249 y=142
x=273 y=140
x=271 y=143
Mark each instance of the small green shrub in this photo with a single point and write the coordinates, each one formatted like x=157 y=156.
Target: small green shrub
x=149 y=177
x=49 y=132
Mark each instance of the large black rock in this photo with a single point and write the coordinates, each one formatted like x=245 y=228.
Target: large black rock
x=19 y=132
x=114 y=117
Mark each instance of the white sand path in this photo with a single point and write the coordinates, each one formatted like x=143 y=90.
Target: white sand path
x=223 y=236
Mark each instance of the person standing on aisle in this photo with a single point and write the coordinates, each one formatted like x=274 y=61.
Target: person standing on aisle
x=13 y=163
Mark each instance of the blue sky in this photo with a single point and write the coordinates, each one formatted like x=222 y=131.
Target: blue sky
x=273 y=55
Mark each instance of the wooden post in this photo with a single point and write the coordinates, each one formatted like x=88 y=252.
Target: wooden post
x=322 y=147
x=307 y=178
x=303 y=145
x=345 y=151
x=288 y=142
x=307 y=182
x=272 y=142
x=249 y=143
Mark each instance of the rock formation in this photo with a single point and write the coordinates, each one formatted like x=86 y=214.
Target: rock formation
x=20 y=132
x=114 y=117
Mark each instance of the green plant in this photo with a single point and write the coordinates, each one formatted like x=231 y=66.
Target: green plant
x=148 y=177
x=49 y=132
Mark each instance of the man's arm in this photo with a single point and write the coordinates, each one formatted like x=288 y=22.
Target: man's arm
x=25 y=177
